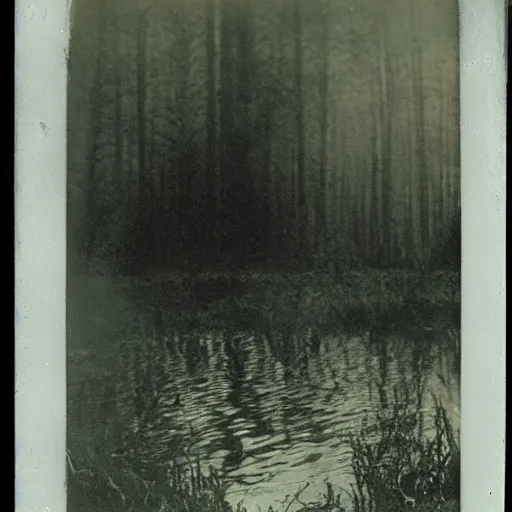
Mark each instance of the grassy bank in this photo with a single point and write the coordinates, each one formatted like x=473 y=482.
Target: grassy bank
x=256 y=300
x=397 y=467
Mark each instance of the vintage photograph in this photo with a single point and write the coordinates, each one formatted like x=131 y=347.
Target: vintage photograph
x=263 y=256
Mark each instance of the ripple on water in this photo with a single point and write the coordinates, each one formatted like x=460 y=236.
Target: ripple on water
x=290 y=431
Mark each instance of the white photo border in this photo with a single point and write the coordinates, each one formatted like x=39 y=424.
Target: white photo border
x=41 y=39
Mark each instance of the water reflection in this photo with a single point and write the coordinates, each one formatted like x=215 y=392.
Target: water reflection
x=270 y=412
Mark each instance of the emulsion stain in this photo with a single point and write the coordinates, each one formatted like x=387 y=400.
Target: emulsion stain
x=17 y=488
x=44 y=128
x=17 y=492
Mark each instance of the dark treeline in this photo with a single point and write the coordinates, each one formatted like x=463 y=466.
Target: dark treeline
x=210 y=133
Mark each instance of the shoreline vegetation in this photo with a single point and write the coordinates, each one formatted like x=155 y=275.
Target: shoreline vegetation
x=394 y=465
x=398 y=472
x=383 y=299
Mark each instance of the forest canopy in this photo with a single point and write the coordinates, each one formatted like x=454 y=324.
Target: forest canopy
x=205 y=133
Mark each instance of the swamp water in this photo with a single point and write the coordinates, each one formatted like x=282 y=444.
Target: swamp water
x=270 y=412
x=271 y=421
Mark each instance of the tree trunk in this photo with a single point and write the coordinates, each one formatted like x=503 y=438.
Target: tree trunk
x=423 y=209
x=118 y=114
x=302 y=214
x=118 y=124
x=334 y=217
x=421 y=159
x=280 y=172
x=322 y=212
x=245 y=82
x=211 y=104
x=375 y=220
x=143 y=217
x=182 y=109
x=412 y=246
x=226 y=97
x=386 y=174
x=212 y=170
x=141 y=106
x=443 y=217
x=95 y=130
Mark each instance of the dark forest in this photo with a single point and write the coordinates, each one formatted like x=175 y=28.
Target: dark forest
x=222 y=133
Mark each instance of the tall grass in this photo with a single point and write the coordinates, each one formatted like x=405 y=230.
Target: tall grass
x=101 y=477
x=99 y=484
x=396 y=467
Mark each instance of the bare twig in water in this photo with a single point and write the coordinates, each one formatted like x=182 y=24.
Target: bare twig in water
x=296 y=497
x=342 y=490
x=116 y=488
x=77 y=471
x=407 y=499
x=70 y=463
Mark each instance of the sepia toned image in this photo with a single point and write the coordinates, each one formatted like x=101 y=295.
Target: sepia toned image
x=263 y=256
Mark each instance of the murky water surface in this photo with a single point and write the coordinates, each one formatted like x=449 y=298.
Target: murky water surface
x=272 y=415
